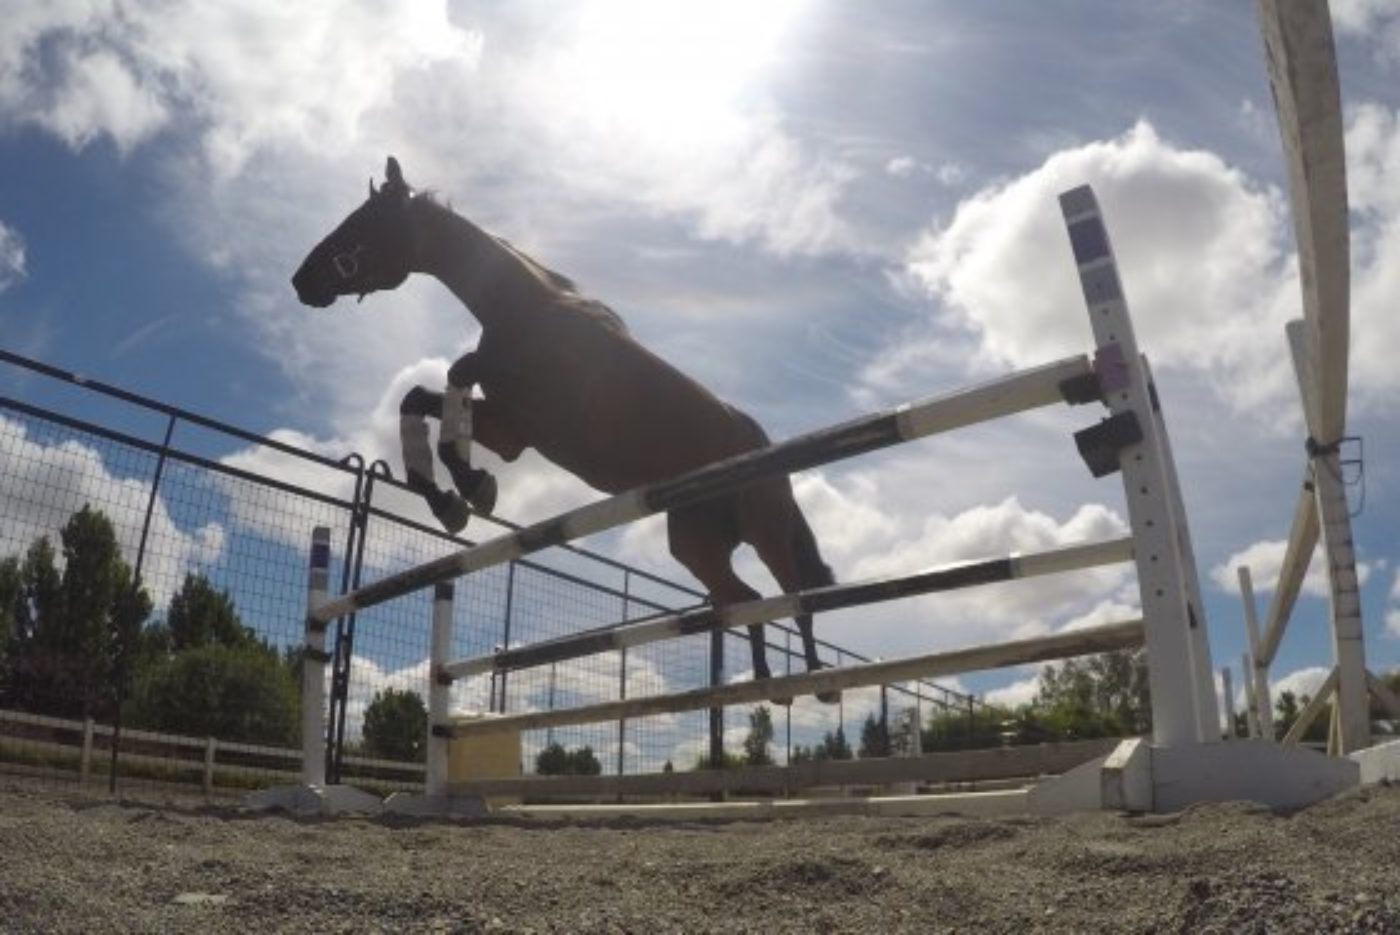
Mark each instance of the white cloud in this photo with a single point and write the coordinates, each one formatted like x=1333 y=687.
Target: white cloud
x=1018 y=693
x=1300 y=682
x=13 y=264
x=1392 y=612
x=1373 y=182
x=1265 y=563
x=47 y=482
x=1374 y=20
x=1199 y=247
x=247 y=75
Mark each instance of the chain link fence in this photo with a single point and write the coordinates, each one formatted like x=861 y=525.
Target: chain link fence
x=153 y=593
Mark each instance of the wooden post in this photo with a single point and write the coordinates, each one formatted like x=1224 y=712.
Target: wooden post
x=85 y=761
x=210 y=745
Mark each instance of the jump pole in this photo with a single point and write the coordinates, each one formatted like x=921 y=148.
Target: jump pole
x=1099 y=639
x=1067 y=380
x=437 y=799
x=817 y=600
x=313 y=796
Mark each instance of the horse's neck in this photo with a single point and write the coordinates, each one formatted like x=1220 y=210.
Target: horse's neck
x=492 y=280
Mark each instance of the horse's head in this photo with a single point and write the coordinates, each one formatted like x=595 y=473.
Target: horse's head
x=372 y=249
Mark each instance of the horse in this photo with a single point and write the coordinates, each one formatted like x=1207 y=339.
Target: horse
x=559 y=372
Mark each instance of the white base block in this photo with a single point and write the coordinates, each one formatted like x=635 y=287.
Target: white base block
x=315 y=800
x=1140 y=777
x=435 y=806
x=1380 y=763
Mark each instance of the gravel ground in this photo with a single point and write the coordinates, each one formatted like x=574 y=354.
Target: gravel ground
x=75 y=865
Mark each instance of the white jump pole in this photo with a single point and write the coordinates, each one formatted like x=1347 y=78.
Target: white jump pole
x=313 y=665
x=1256 y=678
x=1227 y=692
x=1086 y=641
x=817 y=600
x=313 y=795
x=439 y=689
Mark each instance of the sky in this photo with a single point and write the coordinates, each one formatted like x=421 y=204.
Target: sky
x=818 y=209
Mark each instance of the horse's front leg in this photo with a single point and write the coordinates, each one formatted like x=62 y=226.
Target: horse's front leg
x=419 y=403
x=455 y=437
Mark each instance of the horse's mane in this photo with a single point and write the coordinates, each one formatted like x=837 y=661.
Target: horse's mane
x=555 y=280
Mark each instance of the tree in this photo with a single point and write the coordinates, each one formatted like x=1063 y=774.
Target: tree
x=874 y=737
x=69 y=631
x=833 y=746
x=759 y=737
x=1099 y=696
x=554 y=760
x=396 y=726
x=239 y=693
x=1288 y=707
x=200 y=615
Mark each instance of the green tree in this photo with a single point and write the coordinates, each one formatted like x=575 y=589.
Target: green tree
x=759 y=737
x=1288 y=707
x=396 y=726
x=554 y=760
x=583 y=762
x=834 y=746
x=1105 y=695
x=239 y=693
x=12 y=612
x=874 y=737
x=199 y=616
x=69 y=631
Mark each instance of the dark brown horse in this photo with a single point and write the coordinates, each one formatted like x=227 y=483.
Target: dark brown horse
x=560 y=373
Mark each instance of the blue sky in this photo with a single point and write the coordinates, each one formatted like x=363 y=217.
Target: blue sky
x=817 y=208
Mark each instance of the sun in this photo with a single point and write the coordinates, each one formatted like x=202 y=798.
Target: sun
x=679 y=69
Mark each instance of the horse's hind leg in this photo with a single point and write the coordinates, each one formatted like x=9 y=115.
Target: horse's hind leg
x=419 y=403
x=774 y=525
x=702 y=538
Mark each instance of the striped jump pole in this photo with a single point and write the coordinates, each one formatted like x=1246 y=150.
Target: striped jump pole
x=1070 y=380
x=1098 y=639
x=816 y=600
x=439 y=689
x=313 y=665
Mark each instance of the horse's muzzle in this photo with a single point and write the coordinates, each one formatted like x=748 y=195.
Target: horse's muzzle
x=311 y=289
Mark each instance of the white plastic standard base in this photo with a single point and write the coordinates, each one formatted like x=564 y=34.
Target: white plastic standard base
x=315 y=800
x=435 y=806
x=1380 y=763
x=1140 y=777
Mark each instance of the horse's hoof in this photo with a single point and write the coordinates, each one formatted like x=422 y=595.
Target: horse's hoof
x=452 y=511
x=483 y=497
x=829 y=697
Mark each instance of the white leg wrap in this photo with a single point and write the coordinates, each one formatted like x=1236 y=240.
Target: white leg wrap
x=417 y=454
x=457 y=421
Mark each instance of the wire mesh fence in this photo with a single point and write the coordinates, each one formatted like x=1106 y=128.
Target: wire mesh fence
x=153 y=597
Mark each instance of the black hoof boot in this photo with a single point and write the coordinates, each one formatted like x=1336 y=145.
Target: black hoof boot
x=827 y=697
x=451 y=510
x=763 y=674
x=475 y=484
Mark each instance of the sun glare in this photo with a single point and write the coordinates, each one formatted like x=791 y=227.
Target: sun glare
x=683 y=69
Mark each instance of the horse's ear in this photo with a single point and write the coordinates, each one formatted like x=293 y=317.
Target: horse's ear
x=393 y=178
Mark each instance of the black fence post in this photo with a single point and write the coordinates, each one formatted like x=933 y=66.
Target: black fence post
x=122 y=666
x=492 y=705
x=716 y=714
